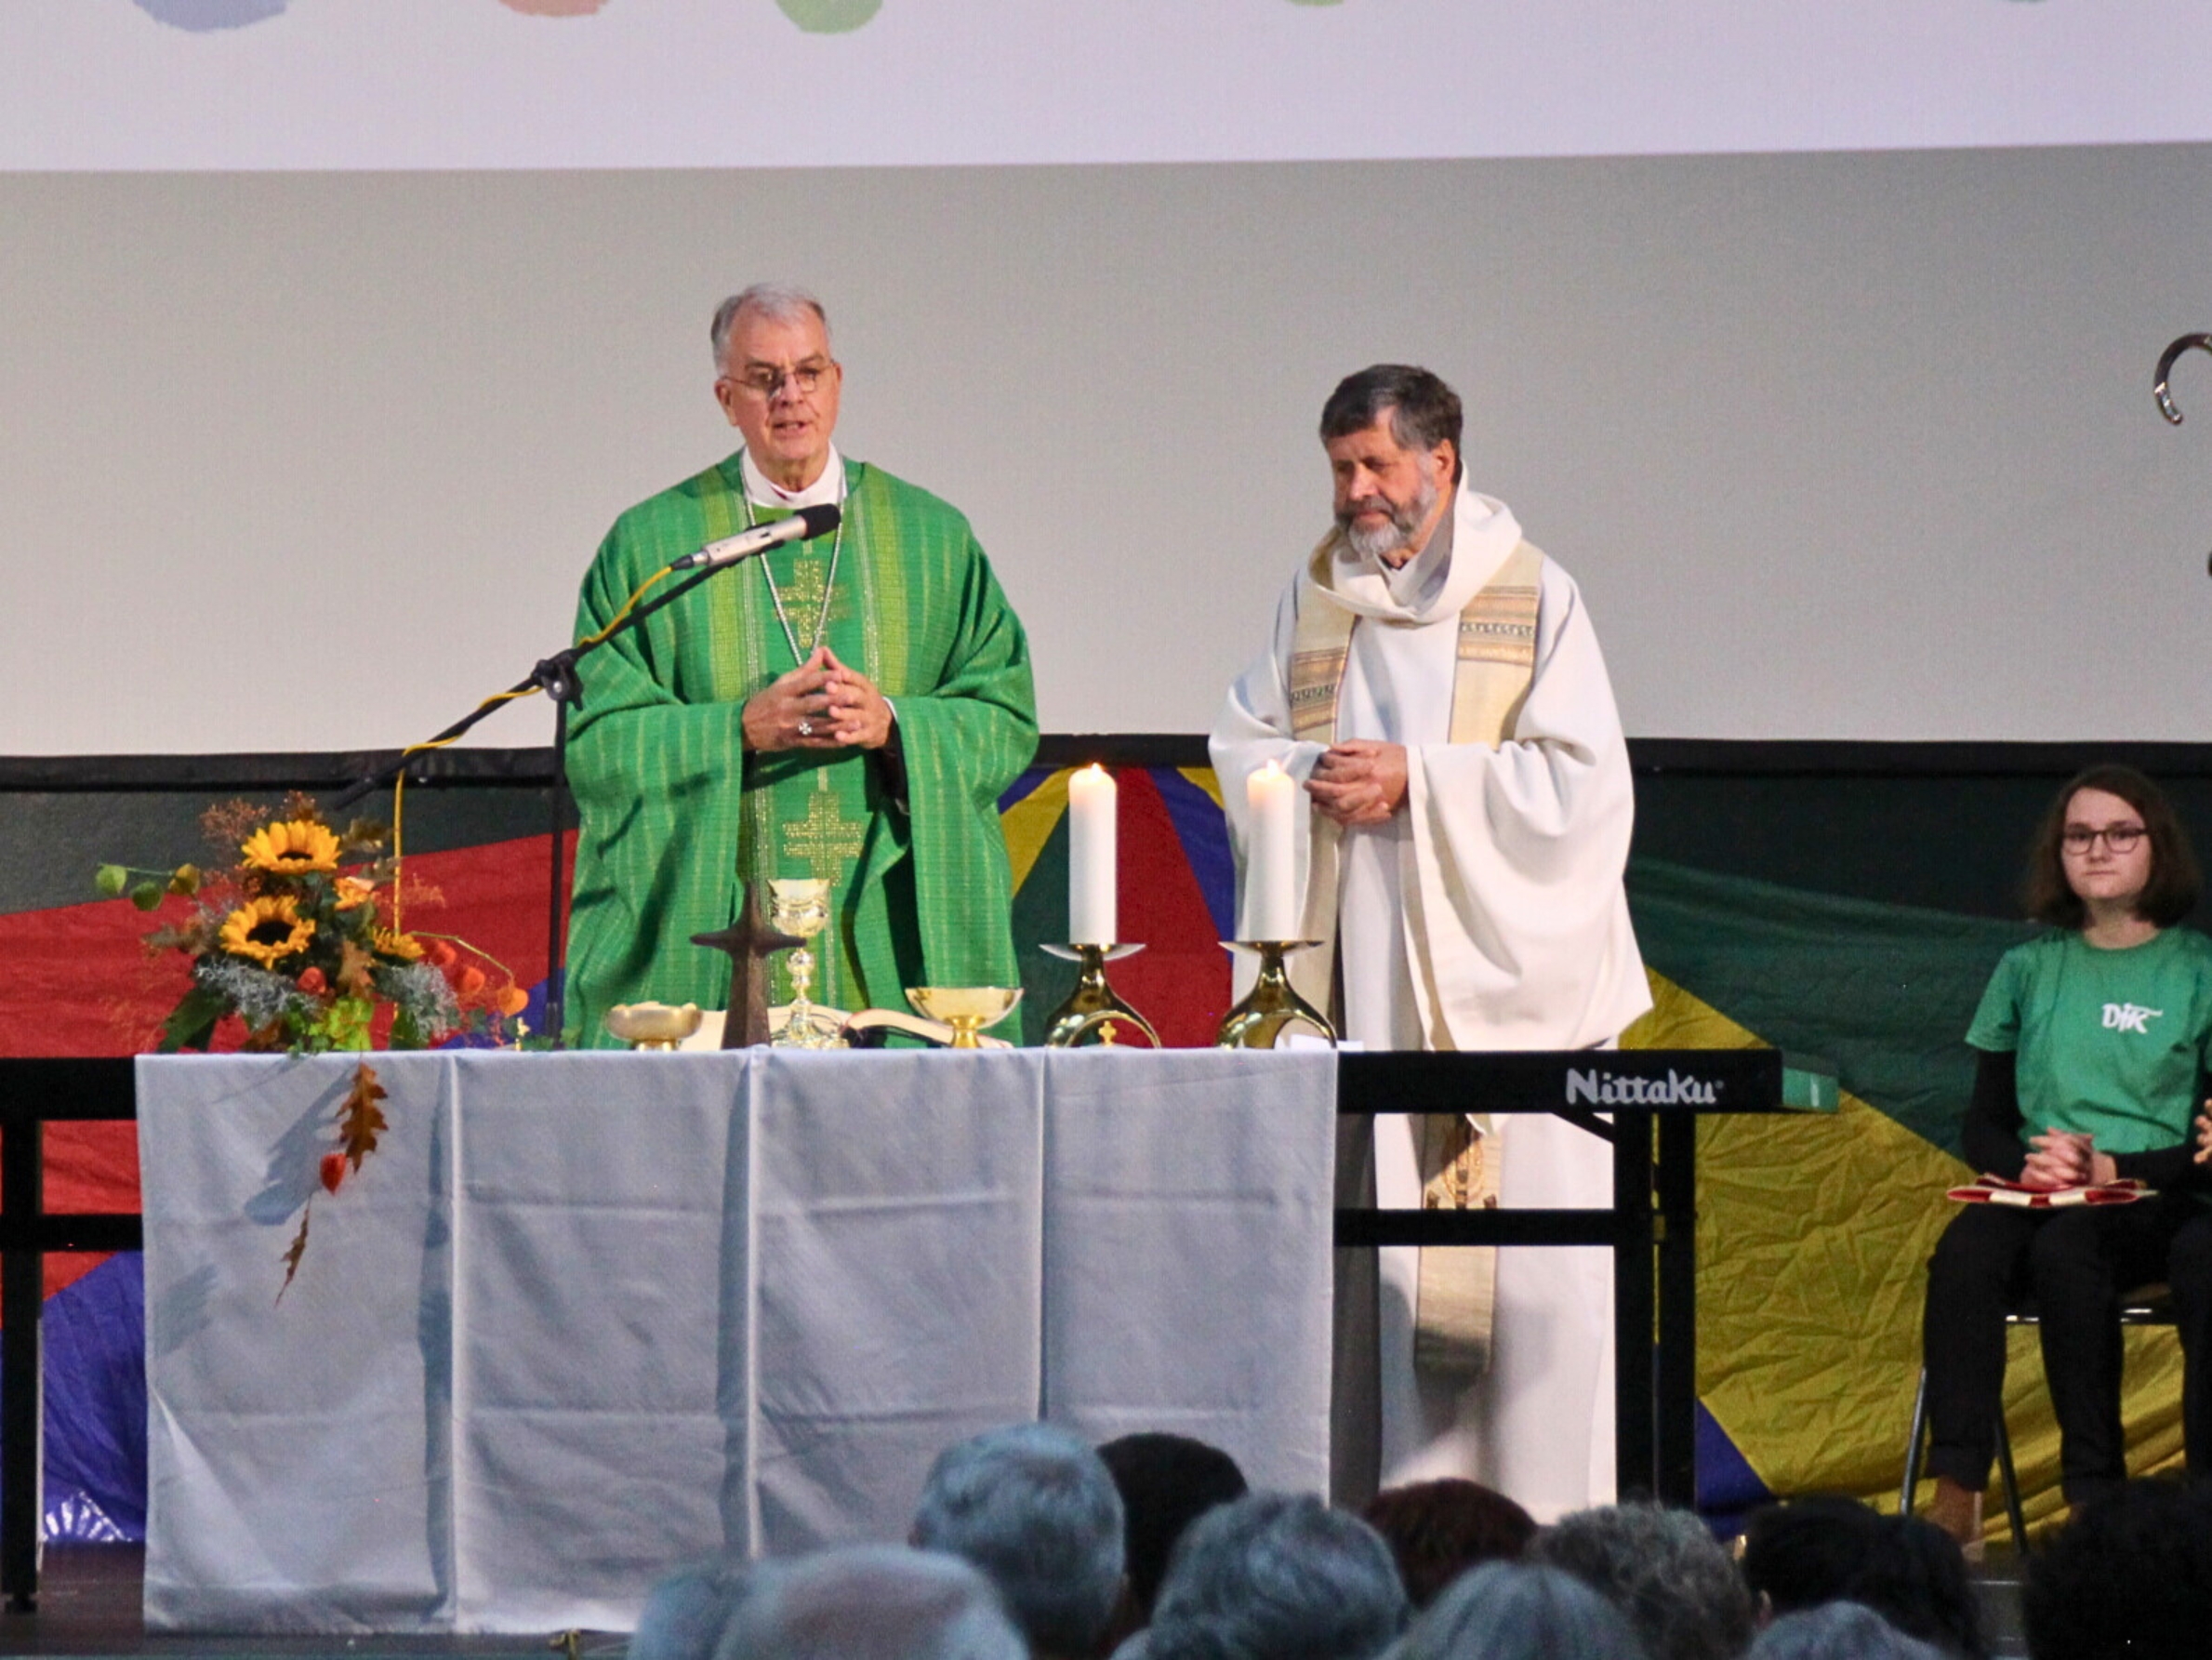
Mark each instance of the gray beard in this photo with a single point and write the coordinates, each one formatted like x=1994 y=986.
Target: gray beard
x=1405 y=523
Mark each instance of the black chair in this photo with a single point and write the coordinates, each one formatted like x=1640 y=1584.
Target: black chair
x=2145 y=1306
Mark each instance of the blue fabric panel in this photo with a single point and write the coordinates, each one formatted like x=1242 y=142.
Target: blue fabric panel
x=95 y=1336
x=1728 y=1489
x=1025 y=785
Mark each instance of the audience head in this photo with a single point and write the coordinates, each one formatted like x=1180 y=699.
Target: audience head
x=1816 y=1550
x=870 y=1602
x=2132 y=1576
x=1661 y=1569
x=1838 y=1631
x=1277 y=1577
x=1033 y=1507
x=1806 y=1552
x=1510 y=1611
x=684 y=1615
x=1438 y=1529
x=1916 y=1579
x=1166 y=1482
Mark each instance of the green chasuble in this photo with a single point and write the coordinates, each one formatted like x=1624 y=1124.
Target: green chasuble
x=677 y=816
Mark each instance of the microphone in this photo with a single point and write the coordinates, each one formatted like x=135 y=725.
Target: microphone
x=805 y=526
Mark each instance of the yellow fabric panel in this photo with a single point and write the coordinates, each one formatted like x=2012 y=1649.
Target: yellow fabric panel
x=1814 y=1232
x=1203 y=777
x=1028 y=823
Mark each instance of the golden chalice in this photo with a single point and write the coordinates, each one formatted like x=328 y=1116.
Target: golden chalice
x=967 y=1009
x=800 y=906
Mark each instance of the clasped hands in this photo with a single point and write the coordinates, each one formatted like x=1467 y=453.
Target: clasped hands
x=2066 y=1158
x=819 y=704
x=1359 y=781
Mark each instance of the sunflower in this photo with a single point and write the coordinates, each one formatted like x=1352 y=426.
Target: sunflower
x=406 y=947
x=267 y=930
x=354 y=892
x=293 y=846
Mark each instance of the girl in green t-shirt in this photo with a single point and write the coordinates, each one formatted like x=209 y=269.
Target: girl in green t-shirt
x=2093 y=1040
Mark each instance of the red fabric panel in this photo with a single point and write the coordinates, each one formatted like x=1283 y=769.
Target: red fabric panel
x=1180 y=981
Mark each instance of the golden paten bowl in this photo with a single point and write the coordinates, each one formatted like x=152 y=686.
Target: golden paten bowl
x=967 y=1009
x=652 y=1025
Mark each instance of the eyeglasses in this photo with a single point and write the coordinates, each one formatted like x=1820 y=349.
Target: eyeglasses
x=2120 y=838
x=764 y=382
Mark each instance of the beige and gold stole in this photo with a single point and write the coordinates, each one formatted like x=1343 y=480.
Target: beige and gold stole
x=1459 y=1165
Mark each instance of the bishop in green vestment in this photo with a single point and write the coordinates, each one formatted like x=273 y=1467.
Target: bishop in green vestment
x=849 y=707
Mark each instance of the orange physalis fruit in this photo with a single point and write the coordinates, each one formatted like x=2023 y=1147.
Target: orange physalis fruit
x=314 y=983
x=511 y=1000
x=470 y=981
x=441 y=954
x=334 y=1171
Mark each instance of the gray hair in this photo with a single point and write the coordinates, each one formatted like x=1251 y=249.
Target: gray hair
x=684 y=1615
x=1277 y=1577
x=780 y=302
x=1034 y=1508
x=870 y=1602
x=1661 y=1569
x=1508 y=1611
x=1424 y=411
x=1838 y=1631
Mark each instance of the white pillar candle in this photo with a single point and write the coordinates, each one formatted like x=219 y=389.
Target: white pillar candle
x=1091 y=856
x=1271 y=858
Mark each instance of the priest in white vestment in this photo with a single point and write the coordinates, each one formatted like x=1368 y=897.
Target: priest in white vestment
x=1434 y=683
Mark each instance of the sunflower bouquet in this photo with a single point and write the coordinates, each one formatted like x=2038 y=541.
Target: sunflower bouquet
x=301 y=939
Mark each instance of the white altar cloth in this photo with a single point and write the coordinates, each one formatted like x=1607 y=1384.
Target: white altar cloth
x=585 y=1317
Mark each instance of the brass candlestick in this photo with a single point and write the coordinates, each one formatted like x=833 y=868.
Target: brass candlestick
x=1272 y=1003
x=1092 y=1006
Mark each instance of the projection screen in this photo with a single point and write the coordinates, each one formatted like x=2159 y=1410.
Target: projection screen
x=1815 y=340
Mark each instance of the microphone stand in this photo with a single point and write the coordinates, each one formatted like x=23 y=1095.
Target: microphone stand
x=556 y=677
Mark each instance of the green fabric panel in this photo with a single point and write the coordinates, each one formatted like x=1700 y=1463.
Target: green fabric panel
x=1884 y=990
x=670 y=805
x=1039 y=913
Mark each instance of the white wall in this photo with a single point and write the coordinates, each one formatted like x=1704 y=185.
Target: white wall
x=1844 y=445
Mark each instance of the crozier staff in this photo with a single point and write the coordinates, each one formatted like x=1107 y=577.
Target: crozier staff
x=2093 y=1043
x=848 y=708
x=1435 y=682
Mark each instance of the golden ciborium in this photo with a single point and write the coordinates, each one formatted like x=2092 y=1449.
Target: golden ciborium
x=652 y=1025
x=801 y=906
x=967 y=1009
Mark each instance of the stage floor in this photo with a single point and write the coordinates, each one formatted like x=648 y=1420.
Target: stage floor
x=88 y=1604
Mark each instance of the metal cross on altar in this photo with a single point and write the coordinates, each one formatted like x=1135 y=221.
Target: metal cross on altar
x=749 y=940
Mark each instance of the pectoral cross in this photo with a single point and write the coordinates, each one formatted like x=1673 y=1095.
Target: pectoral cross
x=749 y=940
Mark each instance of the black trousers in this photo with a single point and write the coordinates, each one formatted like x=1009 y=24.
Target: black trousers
x=2074 y=1264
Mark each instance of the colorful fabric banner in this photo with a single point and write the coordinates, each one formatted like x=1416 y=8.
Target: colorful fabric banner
x=1813 y=1231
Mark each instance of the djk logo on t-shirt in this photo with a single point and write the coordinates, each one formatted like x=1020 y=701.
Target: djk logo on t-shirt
x=2129 y=1017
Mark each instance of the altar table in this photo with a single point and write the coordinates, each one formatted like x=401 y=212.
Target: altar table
x=585 y=1317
